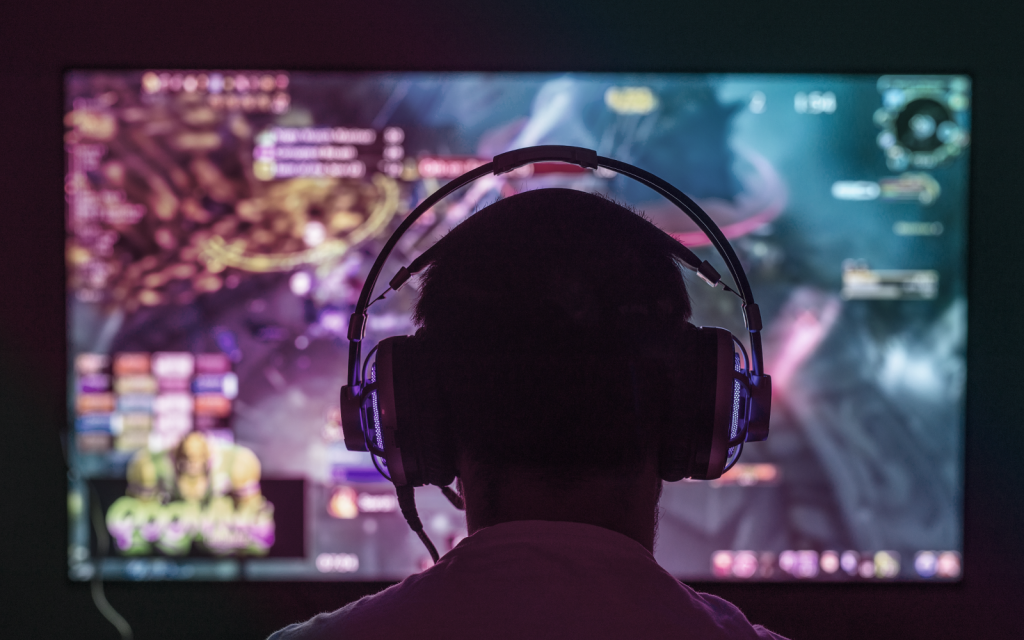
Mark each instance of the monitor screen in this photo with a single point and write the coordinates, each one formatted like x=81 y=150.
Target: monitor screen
x=220 y=225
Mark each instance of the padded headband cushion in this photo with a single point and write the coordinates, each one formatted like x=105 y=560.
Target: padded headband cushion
x=422 y=414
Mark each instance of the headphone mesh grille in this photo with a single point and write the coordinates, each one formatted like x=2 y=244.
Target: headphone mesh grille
x=737 y=394
x=377 y=435
x=734 y=427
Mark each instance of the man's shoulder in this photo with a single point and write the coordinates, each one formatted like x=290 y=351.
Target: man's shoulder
x=367 y=612
x=540 y=580
x=317 y=627
x=730 y=619
x=324 y=625
x=375 y=615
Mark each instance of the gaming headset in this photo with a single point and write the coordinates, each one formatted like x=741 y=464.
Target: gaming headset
x=391 y=414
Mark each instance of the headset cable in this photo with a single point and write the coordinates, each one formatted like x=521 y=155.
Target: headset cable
x=407 y=503
x=99 y=598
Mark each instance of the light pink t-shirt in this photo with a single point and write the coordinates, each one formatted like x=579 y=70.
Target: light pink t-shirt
x=534 y=580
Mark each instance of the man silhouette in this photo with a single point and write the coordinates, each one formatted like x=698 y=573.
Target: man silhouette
x=550 y=316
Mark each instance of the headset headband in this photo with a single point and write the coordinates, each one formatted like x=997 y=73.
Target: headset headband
x=586 y=158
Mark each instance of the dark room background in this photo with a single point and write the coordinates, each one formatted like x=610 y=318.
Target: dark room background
x=39 y=40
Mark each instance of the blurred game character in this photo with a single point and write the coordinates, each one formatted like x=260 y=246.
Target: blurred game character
x=205 y=490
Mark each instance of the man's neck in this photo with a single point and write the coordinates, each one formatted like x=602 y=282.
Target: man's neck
x=627 y=506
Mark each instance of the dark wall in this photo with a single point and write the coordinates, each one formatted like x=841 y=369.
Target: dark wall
x=39 y=39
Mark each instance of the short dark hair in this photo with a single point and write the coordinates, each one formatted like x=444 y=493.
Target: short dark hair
x=537 y=310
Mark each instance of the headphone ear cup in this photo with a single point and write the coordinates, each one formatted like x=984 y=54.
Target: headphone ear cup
x=426 y=443
x=695 y=441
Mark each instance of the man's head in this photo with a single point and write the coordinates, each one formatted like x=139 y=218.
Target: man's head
x=549 y=315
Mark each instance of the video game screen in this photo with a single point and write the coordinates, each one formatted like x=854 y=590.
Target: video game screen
x=220 y=224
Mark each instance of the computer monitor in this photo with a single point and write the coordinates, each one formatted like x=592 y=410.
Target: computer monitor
x=220 y=224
